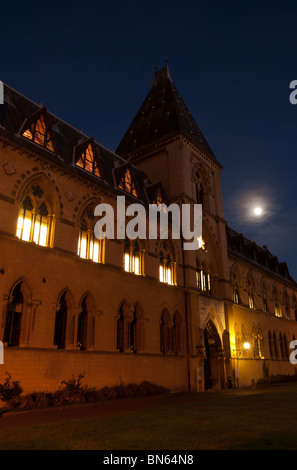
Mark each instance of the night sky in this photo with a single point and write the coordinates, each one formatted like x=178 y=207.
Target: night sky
x=92 y=64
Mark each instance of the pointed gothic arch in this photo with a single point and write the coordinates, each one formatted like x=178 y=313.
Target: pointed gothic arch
x=17 y=314
x=64 y=320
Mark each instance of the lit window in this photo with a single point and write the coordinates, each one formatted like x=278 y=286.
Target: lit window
x=127 y=184
x=39 y=133
x=159 y=198
x=167 y=270
x=203 y=281
x=277 y=308
x=251 y=296
x=89 y=247
x=133 y=258
x=34 y=225
x=88 y=162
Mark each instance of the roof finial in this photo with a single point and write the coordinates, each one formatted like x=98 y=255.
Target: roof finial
x=156 y=68
x=166 y=62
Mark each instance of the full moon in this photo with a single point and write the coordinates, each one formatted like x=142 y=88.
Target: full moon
x=258 y=211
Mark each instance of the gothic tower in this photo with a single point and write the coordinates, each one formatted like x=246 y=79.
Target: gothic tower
x=165 y=141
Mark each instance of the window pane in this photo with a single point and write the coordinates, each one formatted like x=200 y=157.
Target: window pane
x=20 y=223
x=161 y=273
x=27 y=226
x=136 y=265
x=127 y=262
x=96 y=251
x=83 y=245
x=43 y=232
x=36 y=229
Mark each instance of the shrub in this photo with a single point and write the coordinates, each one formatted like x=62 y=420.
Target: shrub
x=276 y=379
x=73 y=385
x=10 y=390
x=74 y=392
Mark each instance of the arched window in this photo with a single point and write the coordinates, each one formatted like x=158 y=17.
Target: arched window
x=167 y=265
x=277 y=308
x=63 y=315
x=271 y=345
x=236 y=292
x=275 y=346
x=251 y=294
x=135 y=330
x=82 y=325
x=177 y=334
x=133 y=257
x=294 y=305
x=281 y=344
x=60 y=323
x=260 y=344
x=124 y=338
x=243 y=340
x=237 y=335
x=35 y=219
x=287 y=306
x=89 y=247
x=203 y=279
x=14 y=313
x=199 y=190
x=265 y=298
x=255 y=344
x=286 y=347
x=167 y=269
x=165 y=333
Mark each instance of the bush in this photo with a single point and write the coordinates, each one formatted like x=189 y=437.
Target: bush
x=277 y=379
x=73 y=385
x=10 y=390
x=74 y=392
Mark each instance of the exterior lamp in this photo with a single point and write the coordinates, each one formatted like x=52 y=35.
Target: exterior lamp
x=246 y=345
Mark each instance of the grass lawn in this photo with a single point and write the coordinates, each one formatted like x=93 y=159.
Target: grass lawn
x=265 y=420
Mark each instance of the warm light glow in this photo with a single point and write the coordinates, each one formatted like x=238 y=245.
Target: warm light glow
x=83 y=245
x=136 y=265
x=201 y=243
x=127 y=262
x=96 y=251
x=169 y=275
x=27 y=226
x=246 y=345
x=161 y=273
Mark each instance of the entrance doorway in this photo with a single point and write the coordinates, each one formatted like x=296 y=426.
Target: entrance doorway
x=214 y=374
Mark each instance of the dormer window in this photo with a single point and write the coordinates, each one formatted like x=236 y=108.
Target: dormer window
x=159 y=198
x=127 y=184
x=39 y=133
x=87 y=161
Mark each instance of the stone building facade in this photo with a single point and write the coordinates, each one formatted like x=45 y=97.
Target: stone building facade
x=122 y=310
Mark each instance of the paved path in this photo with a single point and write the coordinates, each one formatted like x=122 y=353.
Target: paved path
x=18 y=419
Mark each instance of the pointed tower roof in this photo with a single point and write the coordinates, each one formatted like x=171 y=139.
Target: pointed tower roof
x=163 y=113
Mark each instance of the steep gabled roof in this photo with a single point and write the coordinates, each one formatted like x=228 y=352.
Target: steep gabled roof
x=249 y=251
x=18 y=113
x=163 y=113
